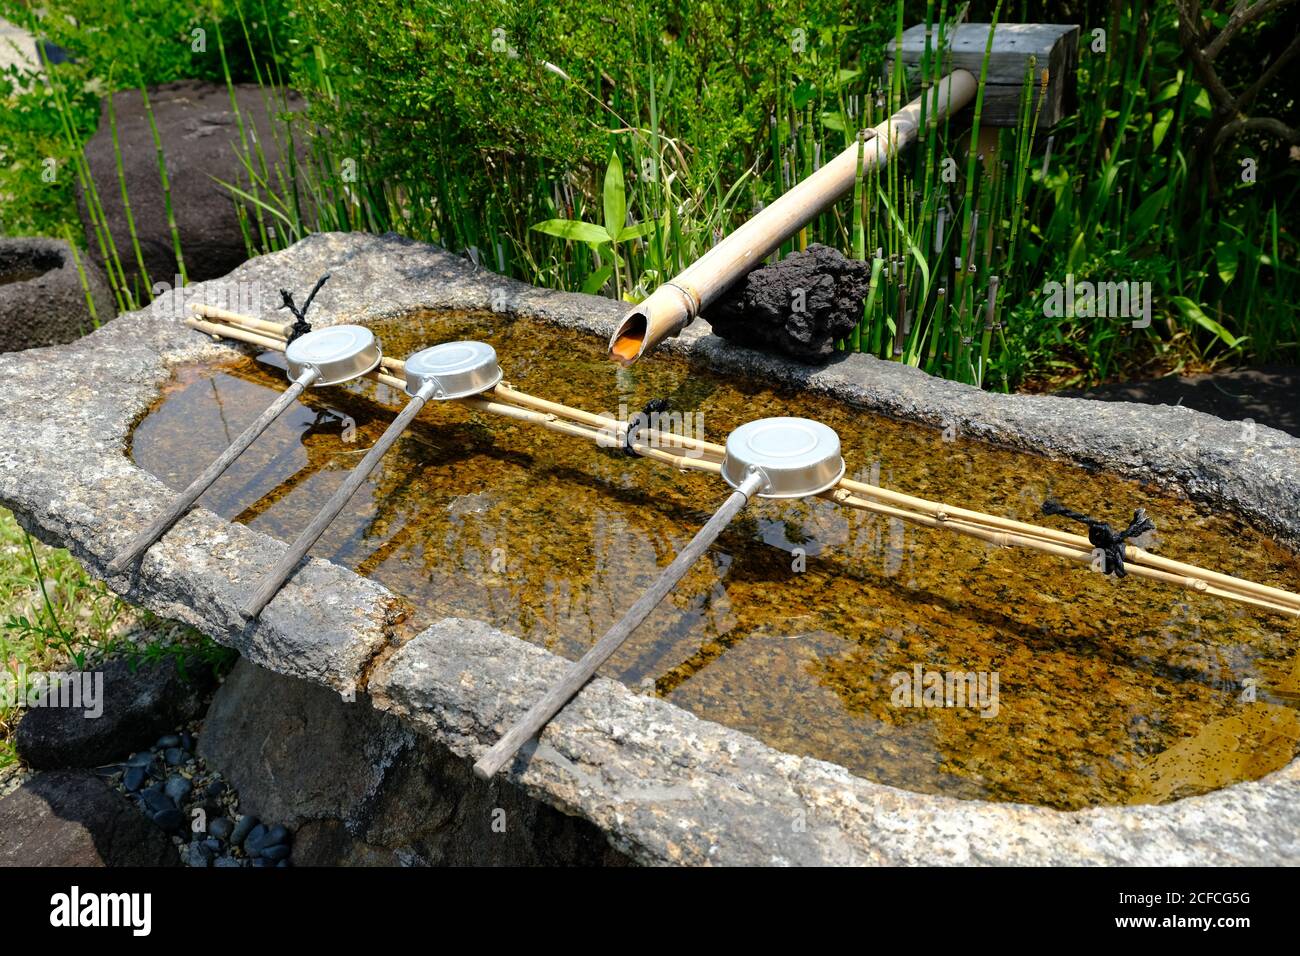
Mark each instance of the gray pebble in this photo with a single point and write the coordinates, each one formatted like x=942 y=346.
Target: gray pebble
x=213 y=844
x=274 y=854
x=215 y=789
x=156 y=800
x=275 y=836
x=221 y=828
x=175 y=756
x=226 y=862
x=170 y=740
x=142 y=759
x=243 y=828
x=187 y=741
x=133 y=779
x=177 y=787
x=255 y=840
x=196 y=857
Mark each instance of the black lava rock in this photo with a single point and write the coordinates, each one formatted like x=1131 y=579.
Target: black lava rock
x=799 y=306
x=137 y=705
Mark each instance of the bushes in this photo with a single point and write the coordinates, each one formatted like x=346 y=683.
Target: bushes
x=469 y=122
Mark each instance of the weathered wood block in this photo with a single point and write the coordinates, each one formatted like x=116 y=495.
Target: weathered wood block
x=1054 y=48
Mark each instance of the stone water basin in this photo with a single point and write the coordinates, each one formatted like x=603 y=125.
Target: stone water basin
x=807 y=619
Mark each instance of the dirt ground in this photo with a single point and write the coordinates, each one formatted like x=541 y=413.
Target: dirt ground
x=1268 y=394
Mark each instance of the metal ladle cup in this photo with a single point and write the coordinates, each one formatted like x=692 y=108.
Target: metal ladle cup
x=771 y=458
x=328 y=356
x=444 y=372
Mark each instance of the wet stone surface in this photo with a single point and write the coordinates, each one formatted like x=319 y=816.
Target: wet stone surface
x=812 y=627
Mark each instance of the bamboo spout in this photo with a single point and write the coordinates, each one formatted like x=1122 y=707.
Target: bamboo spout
x=664 y=312
x=675 y=304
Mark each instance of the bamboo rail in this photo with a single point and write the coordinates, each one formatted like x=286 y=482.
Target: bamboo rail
x=1000 y=531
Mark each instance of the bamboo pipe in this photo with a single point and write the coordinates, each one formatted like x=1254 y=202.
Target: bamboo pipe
x=1007 y=539
x=676 y=303
x=942 y=515
x=579 y=673
x=257 y=325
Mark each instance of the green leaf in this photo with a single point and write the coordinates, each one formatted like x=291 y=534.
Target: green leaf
x=1225 y=254
x=615 y=198
x=1161 y=127
x=596 y=281
x=803 y=94
x=834 y=121
x=1192 y=311
x=637 y=231
x=917 y=254
x=573 y=230
x=1145 y=215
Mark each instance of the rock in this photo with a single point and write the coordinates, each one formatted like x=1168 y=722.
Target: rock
x=137 y=706
x=799 y=306
x=173 y=820
x=199 y=855
x=72 y=818
x=177 y=787
x=255 y=840
x=166 y=741
x=358 y=789
x=133 y=778
x=175 y=756
x=215 y=790
x=226 y=862
x=144 y=759
x=42 y=301
x=156 y=800
x=274 y=854
x=200 y=137
x=619 y=760
x=242 y=829
x=221 y=828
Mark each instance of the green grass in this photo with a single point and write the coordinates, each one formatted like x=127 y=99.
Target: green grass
x=56 y=617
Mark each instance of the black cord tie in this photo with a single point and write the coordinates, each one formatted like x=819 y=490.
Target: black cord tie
x=300 y=324
x=642 y=420
x=1102 y=535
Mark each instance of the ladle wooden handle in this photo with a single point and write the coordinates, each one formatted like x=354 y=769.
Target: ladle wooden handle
x=581 y=672
x=145 y=539
x=274 y=580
